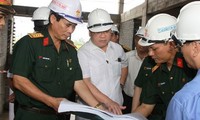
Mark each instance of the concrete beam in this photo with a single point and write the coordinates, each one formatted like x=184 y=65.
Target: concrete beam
x=155 y=6
x=28 y=12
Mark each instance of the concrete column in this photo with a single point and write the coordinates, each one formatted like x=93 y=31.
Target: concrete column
x=3 y=52
x=121 y=6
x=144 y=13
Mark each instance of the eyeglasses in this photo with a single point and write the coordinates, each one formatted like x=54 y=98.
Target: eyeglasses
x=100 y=24
x=103 y=32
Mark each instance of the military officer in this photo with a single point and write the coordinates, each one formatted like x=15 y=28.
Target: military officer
x=46 y=68
x=167 y=72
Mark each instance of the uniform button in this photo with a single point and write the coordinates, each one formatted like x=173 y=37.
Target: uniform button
x=70 y=68
x=58 y=68
x=58 y=83
x=163 y=92
x=172 y=92
x=183 y=80
x=171 y=78
x=146 y=74
x=45 y=66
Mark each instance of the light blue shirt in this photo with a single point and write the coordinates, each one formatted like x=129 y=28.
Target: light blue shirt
x=185 y=105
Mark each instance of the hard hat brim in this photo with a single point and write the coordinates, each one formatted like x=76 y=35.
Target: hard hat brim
x=74 y=21
x=144 y=43
x=71 y=18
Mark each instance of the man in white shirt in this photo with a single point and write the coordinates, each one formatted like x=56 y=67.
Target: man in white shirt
x=103 y=63
x=135 y=59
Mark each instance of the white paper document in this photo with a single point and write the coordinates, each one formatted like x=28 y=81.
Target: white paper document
x=68 y=106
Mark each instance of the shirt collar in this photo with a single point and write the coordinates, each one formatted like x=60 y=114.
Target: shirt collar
x=47 y=41
x=178 y=62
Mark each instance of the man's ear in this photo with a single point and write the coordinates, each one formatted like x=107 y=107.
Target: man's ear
x=52 y=18
x=90 y=33
x=172 y=45
x=195 y=48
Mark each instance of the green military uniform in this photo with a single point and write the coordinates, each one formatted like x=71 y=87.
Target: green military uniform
x=161 y=84
x=144 y=73
x=53 y=72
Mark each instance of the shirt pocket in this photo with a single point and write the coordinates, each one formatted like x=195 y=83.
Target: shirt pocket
x=70 y=66
x=116 y=67
x=44 y=71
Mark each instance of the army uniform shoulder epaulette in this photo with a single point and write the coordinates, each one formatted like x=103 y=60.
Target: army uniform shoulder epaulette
x=68 y=42
x=155 y=67
x=36 y=35
x=126 y=48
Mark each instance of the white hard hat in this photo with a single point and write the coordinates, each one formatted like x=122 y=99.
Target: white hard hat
x=114 y=29
x=99 y=20
x=42 y=13
x=158 y=29
x=69 y=9
x=140 y=32
x=188 y=23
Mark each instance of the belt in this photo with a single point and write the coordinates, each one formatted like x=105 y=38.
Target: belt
x=38 y=110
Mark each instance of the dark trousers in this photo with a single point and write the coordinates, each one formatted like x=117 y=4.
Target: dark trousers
x=127 y=103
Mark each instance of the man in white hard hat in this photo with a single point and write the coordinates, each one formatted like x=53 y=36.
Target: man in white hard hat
x=115 y=37
x=41 y=18
x=103 y=62
x=185 y=103
x=135 y=58
x=115 y=34
x=164 y=72
x=46 y=68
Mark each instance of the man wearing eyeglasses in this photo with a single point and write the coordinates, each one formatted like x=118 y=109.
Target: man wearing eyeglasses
x=103 y=63
x=185 y=103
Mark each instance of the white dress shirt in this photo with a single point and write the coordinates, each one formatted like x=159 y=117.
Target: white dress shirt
x=134 y=63
x=104 y=68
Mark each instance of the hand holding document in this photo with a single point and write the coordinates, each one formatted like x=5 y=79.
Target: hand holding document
x=78 y=109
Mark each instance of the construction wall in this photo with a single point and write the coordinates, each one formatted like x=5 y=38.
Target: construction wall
x=144 y=12
x=126 y=33
x=3 y=52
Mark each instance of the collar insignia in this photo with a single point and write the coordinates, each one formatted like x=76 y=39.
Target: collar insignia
x=45 y=41
x=180 y=62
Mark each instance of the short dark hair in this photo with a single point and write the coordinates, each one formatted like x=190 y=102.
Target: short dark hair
x=58 y=17
x=115 y=32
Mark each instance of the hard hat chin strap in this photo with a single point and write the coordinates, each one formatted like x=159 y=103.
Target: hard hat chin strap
x=69 y=16
x=156 y=41
x=100 y=24
x=178 y=42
